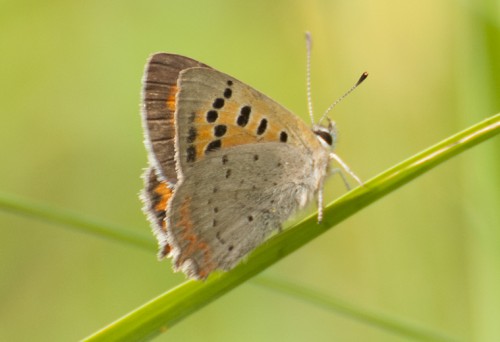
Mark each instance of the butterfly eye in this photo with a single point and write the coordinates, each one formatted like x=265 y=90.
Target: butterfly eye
x=325 y=136
x=332 y=130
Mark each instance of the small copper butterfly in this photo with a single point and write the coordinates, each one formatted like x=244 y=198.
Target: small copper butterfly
x=227 y=165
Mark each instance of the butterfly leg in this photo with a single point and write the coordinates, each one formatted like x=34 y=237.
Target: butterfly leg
x=342 y=175
x=345 y=168
x=320 y=203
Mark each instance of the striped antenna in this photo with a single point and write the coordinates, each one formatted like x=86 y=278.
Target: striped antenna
x=361 y=79
x=308 y=75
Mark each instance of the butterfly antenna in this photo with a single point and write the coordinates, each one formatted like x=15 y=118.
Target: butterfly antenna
x=361 y=79
x=308 y=75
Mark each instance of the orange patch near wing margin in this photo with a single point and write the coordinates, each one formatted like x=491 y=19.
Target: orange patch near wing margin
x=165 y=193
x=193 y=243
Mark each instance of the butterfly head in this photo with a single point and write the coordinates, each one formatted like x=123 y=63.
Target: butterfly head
x=327 y=136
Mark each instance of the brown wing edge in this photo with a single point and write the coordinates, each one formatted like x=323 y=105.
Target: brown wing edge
x=158 y=108
x=155 y=198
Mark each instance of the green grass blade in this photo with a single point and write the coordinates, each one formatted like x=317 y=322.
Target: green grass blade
x=340 y=306
x=162 y=313
x=73 y=220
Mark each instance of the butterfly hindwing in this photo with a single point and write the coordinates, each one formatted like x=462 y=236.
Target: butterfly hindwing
x=231 y=200
x=155 y=196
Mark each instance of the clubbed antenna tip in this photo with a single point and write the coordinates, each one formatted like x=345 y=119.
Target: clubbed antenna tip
x=362 y=78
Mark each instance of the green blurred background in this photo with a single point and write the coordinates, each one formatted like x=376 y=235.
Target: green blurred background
x=70 y=136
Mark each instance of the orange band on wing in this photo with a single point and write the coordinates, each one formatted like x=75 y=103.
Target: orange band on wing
x=165 y=194
x=172 y=92
x=194 y=243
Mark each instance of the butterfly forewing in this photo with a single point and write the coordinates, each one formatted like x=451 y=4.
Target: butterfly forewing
x=158 y=108
x=216 y=111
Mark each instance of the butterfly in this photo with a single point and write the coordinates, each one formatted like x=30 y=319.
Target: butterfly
x=227 y=164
